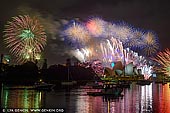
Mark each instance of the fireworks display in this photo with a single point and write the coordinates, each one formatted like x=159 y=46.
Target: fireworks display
x=163 y=58
x=25 y=37
x=146 y=71
x=101 y=41
x=106 y=42
x=112 y=51
x=135 y=41
x=109 y=52
x=123 y=32
x=96 y=26
x=95 y=30
x=77 y=33
x=150 y=44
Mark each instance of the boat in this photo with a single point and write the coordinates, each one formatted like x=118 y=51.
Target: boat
x=108 y=90
x=94 y=85
x=68 y=83
x=144 y=82
x=39 y=85
x=43 y=86
x=124 y=84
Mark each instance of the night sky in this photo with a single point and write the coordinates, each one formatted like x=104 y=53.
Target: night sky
x=146 y=14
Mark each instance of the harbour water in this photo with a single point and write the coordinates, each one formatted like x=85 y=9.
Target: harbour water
x=153 y=98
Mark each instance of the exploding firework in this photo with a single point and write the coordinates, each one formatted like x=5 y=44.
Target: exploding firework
x=123 y=32
x=163 y=58
x=96 y=26
x=110 y=29
x=135 y=41
x=24 y=36
x=28 y=53
x=146 y=71
x=82 y=54
x=112 y=51
x=150 y=44
x=77 y=33
x=96 y=65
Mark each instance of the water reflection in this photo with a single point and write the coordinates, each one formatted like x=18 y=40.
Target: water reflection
x=152 y=98
x=146 y=98
x=21 y=99
x=137 y=99
x=161 y=94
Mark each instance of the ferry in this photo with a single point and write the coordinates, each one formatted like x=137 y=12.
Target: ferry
x=107 y=90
